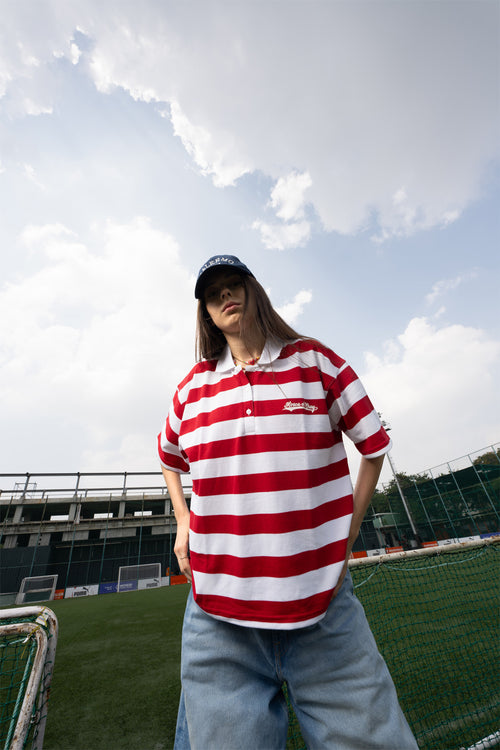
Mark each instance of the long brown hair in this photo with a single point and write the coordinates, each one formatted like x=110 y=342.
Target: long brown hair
x=210 y=341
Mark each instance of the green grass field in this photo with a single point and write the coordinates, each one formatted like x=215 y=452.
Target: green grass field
x=116 y=678
x=436 y=621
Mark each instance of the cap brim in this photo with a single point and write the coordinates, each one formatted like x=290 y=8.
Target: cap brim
x=202 y=280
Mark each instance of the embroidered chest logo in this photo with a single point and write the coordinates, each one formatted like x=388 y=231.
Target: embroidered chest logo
x=294 y=405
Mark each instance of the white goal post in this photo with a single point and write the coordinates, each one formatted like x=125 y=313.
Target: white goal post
x=37 y=589
x=133 y=577
x=28 y=638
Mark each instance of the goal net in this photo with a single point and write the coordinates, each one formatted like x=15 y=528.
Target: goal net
x=133 y=577
x=28 y=638
x=37 y=589
x=434 y=615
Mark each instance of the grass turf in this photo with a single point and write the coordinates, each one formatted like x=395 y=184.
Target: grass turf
x=435 y=620
x=116 y=678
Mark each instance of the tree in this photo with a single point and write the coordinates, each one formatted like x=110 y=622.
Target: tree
x=490 y=458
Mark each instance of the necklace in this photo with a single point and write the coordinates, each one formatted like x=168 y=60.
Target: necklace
x=254 y=362
x=251 y=362
x=245 y=361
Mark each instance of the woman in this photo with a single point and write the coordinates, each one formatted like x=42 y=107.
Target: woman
x=258 y=422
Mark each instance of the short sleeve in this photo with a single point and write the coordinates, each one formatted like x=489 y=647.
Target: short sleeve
x=352 y=411
x=170 y=453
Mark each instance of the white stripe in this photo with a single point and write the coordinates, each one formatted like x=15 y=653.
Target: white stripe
x=170 y=448
x=324 y=364
x=353 y=393
x=366 y=427
x=200 y=379
x=174 y=422
x=279 y=502
x=270 y=589
x=269 y=462
x=242 y=393
x=271 y=545
x=277 y=424
x=207 y=404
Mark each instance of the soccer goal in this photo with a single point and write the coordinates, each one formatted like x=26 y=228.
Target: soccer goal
x=133 y=577
x=28 y=638
x=37 y=589
x=434 y=615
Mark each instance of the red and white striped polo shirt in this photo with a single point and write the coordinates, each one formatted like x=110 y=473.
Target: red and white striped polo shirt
x=272 y=498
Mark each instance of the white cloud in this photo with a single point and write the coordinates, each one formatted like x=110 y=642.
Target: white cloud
x=36 y=235
x=288 y=201
x=280 y=236
x=30 y=39
x=443 y=286
x=391 y=109
x=98 y=339
x=30 y=173
x=292 y=310
x=431 y=385
x=288 y=196
x=36 y=108
x=74 y=53
x=221 y=162
x=99 y=336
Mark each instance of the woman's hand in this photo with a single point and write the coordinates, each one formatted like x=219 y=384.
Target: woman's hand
x=368 y=474
x=181 y=549
x=341 y=580
x=181 y=546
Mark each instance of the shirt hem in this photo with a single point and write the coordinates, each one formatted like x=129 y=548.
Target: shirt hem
x=266 y=625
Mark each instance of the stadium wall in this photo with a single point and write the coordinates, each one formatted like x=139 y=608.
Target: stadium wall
x=84 y=526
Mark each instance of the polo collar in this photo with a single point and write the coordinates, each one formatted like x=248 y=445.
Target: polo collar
x=270 y=353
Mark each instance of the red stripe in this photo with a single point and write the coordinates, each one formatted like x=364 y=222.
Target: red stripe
x=173 y=462
x=299 y=374
x=346 y=377
x=272 y=523
x=330 y=398
x=273 y=567
x=311 y=345
x=169 y=459
x=306 y=374
x=177 y=407
x=262 y=611
x=276 y=407
x=199 y=367
x=222 y=414
x=374 y=443
x=267 y=408
x=271 y=481
x=170 y=435
x=336 y=386
x=222 y=385
x=357 y=412
x=251 y=444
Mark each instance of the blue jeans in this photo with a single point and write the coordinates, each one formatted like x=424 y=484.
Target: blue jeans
x=338 y=683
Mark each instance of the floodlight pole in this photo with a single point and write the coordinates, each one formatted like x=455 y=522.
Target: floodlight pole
x=393 y=468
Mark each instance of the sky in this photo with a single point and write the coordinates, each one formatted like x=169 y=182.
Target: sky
x=346 y=151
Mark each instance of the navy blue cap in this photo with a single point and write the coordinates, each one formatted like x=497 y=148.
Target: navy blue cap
x=219 y=261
